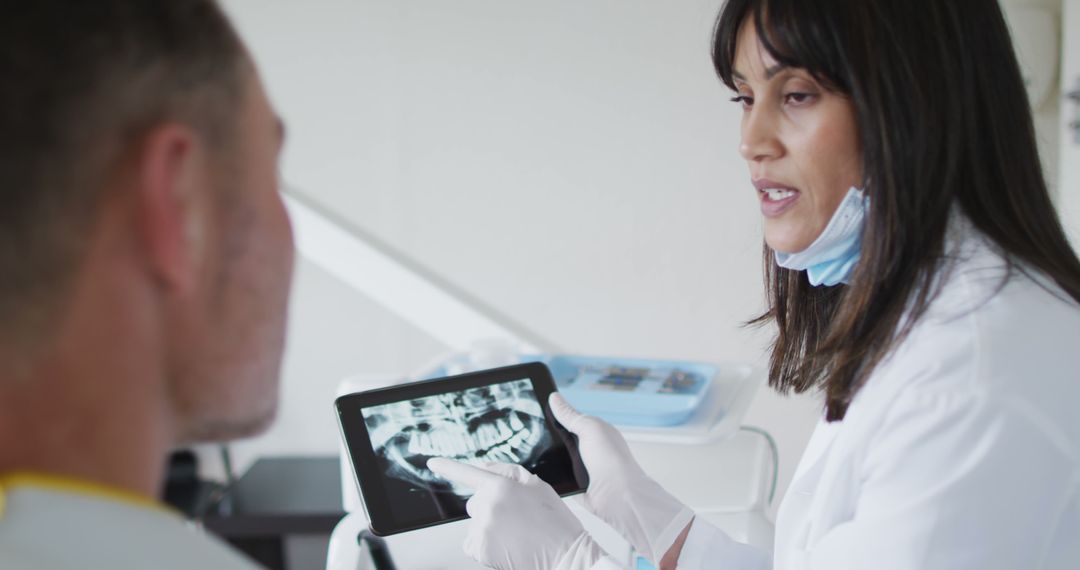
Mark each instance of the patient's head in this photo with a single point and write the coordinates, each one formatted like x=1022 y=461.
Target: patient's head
x=144 y=247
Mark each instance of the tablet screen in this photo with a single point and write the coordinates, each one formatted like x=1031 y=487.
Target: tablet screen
x=499 y=421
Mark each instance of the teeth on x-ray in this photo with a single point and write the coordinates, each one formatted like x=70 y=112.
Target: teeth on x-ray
x=498 y=423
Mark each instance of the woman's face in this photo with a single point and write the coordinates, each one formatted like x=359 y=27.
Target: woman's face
x=800 y=142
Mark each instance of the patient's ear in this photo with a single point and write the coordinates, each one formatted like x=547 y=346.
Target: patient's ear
x=169 y=181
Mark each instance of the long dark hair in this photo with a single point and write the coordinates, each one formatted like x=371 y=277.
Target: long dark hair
x=944 y=121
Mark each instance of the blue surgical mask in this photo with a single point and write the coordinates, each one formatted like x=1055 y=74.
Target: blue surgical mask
x=832 y=257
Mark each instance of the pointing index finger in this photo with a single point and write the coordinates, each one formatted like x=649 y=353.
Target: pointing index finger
x=468 y=475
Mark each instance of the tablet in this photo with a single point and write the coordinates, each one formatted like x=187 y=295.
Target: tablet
x=499 y=415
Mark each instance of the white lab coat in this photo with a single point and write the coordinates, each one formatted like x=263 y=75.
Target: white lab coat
x=48 y=529
x=961 y=451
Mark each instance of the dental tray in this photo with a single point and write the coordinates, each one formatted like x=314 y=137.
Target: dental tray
x=633 y=392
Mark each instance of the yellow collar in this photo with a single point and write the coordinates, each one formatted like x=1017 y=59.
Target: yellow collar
x=74 y=486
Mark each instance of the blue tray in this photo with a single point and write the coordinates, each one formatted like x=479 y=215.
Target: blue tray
x=633 y=392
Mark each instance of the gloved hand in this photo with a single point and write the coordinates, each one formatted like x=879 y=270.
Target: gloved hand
x=620 y=493
x=519 y=521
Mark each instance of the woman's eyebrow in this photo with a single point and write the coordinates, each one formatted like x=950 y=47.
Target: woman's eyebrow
x=770 y=72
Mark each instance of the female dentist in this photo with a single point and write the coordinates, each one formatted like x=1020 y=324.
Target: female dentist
x=917 y=275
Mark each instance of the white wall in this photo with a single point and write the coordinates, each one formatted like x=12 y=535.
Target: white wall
x=1047 y=115
x=573 y=164
x=1070 y=146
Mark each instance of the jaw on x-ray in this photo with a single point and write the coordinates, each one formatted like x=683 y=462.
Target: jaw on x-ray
x=496 y=423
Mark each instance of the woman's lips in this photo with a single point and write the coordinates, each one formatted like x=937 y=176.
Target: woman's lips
x=775 y=198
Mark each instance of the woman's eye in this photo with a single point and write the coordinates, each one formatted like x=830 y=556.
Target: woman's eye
x=743 y=100
x=797 y=98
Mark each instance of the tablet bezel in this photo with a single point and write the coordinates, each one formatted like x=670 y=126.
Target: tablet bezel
x=363 y=459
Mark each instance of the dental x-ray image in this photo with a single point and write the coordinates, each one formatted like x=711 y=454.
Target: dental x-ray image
x=496 y=423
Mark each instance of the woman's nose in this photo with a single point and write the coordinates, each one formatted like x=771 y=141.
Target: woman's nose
x=759 y=137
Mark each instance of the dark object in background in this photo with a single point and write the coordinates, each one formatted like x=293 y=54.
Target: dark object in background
x=380 y=554
x=184 y=491
x=280 y=512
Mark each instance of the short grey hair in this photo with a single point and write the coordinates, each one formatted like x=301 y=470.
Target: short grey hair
x=82 y=80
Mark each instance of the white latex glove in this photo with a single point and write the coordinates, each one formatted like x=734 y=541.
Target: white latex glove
x=620 y=493
x=519 y=521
